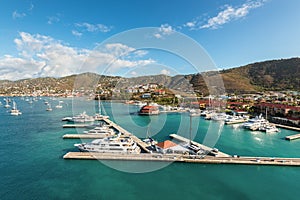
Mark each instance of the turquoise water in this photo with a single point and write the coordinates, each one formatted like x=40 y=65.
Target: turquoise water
x=32 y=167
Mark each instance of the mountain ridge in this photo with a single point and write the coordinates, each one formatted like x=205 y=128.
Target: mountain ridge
x=280 y=74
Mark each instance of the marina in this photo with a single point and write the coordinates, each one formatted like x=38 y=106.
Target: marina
x=58 y=160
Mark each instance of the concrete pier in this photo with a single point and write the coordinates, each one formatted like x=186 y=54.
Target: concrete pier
x=292 y=137
x=287 y=127
x=185 y=158
x=206 y=148
x=76 y=125
x=139 y=142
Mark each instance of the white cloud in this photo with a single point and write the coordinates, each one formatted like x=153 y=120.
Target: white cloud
x=16 y=15
x=93 y=27
x=133 y=73
x=76 y=33
x=53 y=19
x=165 y=72
x=231 y=13
x=41 y=56
x=190 y=24
x=163 y=30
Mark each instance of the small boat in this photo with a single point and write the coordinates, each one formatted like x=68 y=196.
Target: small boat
x=59 y=105
x=7 y=104
x=14 y=111
x=81 y=118
x=49 y=107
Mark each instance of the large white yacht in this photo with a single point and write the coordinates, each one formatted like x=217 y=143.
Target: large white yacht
x=255 y=123
x=101 y=130
x=111 y=145
x=81 y=118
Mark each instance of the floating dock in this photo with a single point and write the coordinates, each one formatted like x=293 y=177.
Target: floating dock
x=287 y=127
x=185 y=158
x=292 y=137
x=206 y=148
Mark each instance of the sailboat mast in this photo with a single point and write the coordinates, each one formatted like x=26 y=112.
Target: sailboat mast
x=190 y=130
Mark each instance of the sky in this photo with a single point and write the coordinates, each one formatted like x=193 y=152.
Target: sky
x=60 y=37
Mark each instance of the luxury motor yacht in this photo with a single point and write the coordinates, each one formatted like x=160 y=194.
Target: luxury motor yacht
x=111 y=145
x=255 y=123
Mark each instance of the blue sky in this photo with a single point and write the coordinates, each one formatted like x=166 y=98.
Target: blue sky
x=55 y=37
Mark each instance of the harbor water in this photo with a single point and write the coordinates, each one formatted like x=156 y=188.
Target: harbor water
x=32 y=164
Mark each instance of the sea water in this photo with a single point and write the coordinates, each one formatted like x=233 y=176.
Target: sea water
x=32 y=164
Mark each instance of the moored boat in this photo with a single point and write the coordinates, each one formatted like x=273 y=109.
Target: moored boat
x=111 y=145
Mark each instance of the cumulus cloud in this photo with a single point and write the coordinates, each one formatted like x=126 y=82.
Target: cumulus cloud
x=41 y=56
x=163 y=30
x=93 y=27
x=53 y=19
x=16 y=15
x=231 y=13
x=165 y=72
x=76 y=33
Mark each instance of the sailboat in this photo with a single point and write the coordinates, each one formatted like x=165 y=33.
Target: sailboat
x=98 y=115
x=49 y=107
x=59 y=105
x=14 y=110
x=6 y=105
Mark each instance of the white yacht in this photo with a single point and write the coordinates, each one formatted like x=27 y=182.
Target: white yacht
x=219 y=117
x=269 y=128
x=14 y=110
x=111 y=145
x=101 y=130
x=255 y=123
x=80 y=118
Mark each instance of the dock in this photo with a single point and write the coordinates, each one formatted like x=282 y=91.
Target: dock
x=185 y=158
x=76 y=125
x=287 y=127
x=236 y=122
x=292 y=137
x=206 y=148
x=83 y=136
x=139 y=142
